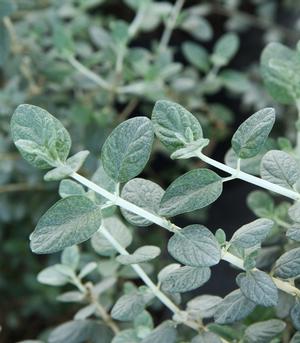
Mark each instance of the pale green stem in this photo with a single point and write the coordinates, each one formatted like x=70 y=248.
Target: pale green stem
x=137 y=21
x=250 y=178
x=170 y=25
x=234 y=260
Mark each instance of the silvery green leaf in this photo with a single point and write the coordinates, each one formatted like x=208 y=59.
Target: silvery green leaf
x=284 y=305
x=251 y=234
x=261 y=204
x=143 y=320
x=118 y=230
x=294 y=232
x=185 y=279
x=127 y=149
x=203 y=306
x=70 y=221
x=206 y=337
x=220 y=236
x=295 y=314
x=69 y=187
x=85 y=312
x=197 y=26
x=142 y=254
x=70 y=257
x=41 y=138
x=252 y=134
x=280 y=168
x=264 y=332
x=295 y=338
x=191 y=191
x=195 y=246
x=126 y=336
x=87 y=269
x=166 y=270
x=196 y=55
x=225 y=48
x=72 y=165
x=225 y=331
x=104 y=285
x=53 y=276
x=190 y=150
x=164 y=332
x=78 y=331
x=235 y=306
x=128 y=306
x=235 y=81
x=174 y=126
x=143 y=193
x=73 y=296
x=294 y=212
x=259 y=287
x=288 y=264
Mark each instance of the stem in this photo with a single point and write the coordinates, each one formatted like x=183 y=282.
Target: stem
x=170 y=25
x=250 y=178
x=137 y=21
x=234 y=260
x=156 y=291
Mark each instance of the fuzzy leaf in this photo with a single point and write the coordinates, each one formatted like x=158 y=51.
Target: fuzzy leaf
x=294 y=232
x=142 y=254
x=193 y=190
x=143 y=193
x=70 y=257
x=128 y=306
x=164 y=332
x=195 y=246
x=288 y=264
x=261 y=204
x=295 y=314
x=196 y=55
x=206 y=337
x=69 y=187
x=264 y=332
x=127 y=149
x=225 y=48
x=53 y=276
x=70 y=221
x=203 y=306
x=252 y=134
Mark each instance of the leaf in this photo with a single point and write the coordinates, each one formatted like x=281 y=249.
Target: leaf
x=203 y=306
x=85 y=312
x=69 y=187
x=280 y=71
x=264 y=332
x=195 y=246
x=4 y=43
x=251 y=234
x=166 y=270
x=259 y=287
x=78 y=331
x=295 y=338
x=40 y=138
x=252 y=134
x=73 y=296
x=294 y=212
x=196 y=55
x=225 y=48
x=191 y=191
x=127 y=149
x=164 y=332
x=174 y=126
x=280 y=168
x=70 y=221
x=288 y=264
x=235 y=306
x=294 y=232
x=145 y=194
x=128 y=306
x=53 y=276
x=185 y=279
x=126 y=336
x=197 y=26
x=70 y=257
x=87 y=269
x=295 y=314
x=206 y=337
x=118 y=230
x=142 y=254
x=7 y=7
x=261 y=204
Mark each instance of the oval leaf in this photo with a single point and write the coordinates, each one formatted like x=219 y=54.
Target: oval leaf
x=288 y=264
x=142 y=254
x=264 y=332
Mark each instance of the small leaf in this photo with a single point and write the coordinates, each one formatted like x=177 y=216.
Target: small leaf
x=252 y=134
x=85 y=312
x=264 y=332
x=166 y=270
x=294 y=212
x=164 y=332
x=87 y=269
x=118 y=230
x=195 y=246
x=225 y=48
x=196 y=55
x=142 y=254
x=203 y=306
x=174 y=126
x=288 y=264
x=295 y=338
x=235 y=306
x=185 y=279
x=70 y=257
x=251 y=234
x=280 y=168
x=70 y=221
x=73 y=296
x=53 y=276
x=127 y=149
x=261 y=204
x=41 y=138
x=295 y=314
x=69 y=187
x=206 y=337
x=294 y=232
x=126 y=336
x=143 y=193
x=128 y=306
x=259 y=287
x=193 y=190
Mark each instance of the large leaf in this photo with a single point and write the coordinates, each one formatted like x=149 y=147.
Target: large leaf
x=203 y=306
x=128 y=306
x=70 y=221
x=127 y=150
x=191 y=191
x=195 y=246
x=41 y=138
x=252 y=134
x=264 y=332
x=164 y=332
x=288 y=264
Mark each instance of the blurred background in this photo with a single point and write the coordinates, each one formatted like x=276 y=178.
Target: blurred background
x=95 y=63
